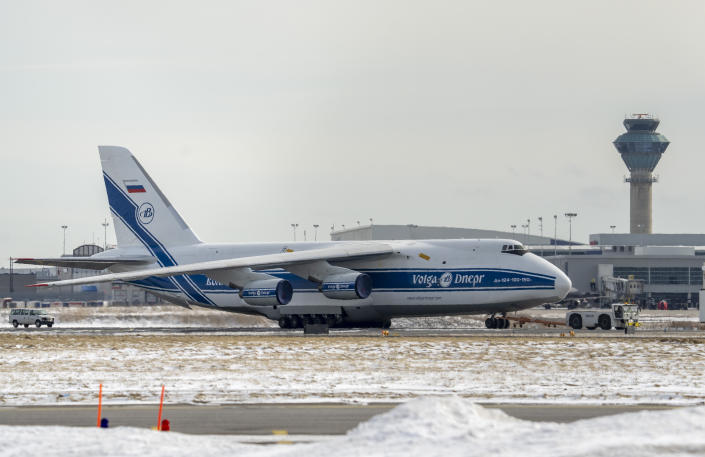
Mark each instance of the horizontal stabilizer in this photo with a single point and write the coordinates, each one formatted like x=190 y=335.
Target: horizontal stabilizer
x=89 y=263
x=280 y=260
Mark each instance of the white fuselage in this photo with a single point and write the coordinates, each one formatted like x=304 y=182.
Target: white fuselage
x=421 y=278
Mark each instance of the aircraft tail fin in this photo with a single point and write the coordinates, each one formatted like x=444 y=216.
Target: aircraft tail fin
x=142 y=215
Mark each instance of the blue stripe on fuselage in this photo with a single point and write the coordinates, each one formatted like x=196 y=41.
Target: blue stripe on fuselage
x=390 y=280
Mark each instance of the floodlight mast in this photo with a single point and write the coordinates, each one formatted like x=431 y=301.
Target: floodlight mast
x=570 y=217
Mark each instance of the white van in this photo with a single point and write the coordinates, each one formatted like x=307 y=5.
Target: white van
x=26 y=317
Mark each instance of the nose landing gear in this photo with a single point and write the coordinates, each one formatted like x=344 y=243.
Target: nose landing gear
x=497 y=322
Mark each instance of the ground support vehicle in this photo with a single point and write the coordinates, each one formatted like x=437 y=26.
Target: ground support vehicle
x=619 y=315
x=27 y=317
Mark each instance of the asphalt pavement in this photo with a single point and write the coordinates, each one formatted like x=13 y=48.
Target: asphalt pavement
x=266 y=419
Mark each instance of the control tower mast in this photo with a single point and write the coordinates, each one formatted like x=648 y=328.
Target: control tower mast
x=641 y=148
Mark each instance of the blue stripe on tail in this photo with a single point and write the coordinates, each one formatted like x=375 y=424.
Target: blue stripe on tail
x=124 y=208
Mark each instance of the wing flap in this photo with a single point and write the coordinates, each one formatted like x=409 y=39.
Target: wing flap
x=87 y=263
x=279 y=260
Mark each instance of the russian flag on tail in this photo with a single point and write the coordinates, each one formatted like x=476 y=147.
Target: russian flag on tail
x=133 y=186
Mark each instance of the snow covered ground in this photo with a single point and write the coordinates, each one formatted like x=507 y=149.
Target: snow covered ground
x=44 y=367
x=424 y=427
x=49 y=367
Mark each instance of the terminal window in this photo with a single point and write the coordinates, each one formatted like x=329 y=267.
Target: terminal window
x=673 y=275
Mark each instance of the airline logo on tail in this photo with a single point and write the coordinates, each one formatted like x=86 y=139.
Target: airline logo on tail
x=145 y=213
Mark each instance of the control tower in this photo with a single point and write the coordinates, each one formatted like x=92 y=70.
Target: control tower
x=641 y=148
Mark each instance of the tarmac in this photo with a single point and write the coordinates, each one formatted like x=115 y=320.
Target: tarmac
x=268 y=419
x=549 y=332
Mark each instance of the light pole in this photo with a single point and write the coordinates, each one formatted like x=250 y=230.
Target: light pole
x=541 y=231
x=555 y=234
x=105 y=234
x=315 y=232
x=514 y=228
x=12 y=285
x=293 y=227
x=64 y=227
x=524 y=228
x=528 y=230
x=570 y=217
x=613 y=227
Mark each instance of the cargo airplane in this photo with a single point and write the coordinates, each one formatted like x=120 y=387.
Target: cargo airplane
x=353 y=283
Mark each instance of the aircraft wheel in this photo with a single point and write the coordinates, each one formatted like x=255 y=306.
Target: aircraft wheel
x=296 y=322
x=605 y=322
x=576 y=322
x=26 y=325
x=490 y=322
x=284 y=322
x=506 y=323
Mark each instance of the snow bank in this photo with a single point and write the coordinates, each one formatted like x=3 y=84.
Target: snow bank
x=426 y=427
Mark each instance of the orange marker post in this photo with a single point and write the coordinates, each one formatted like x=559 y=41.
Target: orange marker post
x=161 y=404
x=100 y=403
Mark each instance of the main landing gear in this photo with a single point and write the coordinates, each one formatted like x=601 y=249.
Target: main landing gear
x=497 y=322
x=299 y=321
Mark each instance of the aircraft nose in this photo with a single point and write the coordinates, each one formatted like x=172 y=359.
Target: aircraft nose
x=563 y=284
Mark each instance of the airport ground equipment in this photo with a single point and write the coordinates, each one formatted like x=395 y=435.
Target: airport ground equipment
x=620 y=289
x=521 y=320
x=619 y=315
x=27 y=317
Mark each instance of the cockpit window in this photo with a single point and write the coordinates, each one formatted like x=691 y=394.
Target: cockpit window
x=516 y=249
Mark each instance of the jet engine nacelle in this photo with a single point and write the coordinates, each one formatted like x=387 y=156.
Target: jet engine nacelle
x=347 y=286
x=267 y=292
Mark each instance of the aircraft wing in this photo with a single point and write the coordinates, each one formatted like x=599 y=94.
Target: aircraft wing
x=279 y=260
x=88 y=263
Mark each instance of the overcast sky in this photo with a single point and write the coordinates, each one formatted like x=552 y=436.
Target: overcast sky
x=254 y=115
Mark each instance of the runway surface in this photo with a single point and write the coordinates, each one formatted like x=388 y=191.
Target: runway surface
x=265 y=419
x=548 y=332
